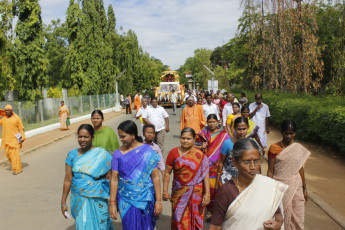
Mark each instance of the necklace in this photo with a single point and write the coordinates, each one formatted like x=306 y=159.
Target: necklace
x=238 y=185
x=281 y=142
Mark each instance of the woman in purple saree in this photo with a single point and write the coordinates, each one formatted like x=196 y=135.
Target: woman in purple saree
x=135 y=186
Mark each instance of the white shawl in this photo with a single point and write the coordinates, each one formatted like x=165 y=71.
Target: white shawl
x=255 y=205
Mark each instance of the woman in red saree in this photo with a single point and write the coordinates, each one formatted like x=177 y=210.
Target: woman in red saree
x=213 y=139
x=191 y=186
x=286 y=162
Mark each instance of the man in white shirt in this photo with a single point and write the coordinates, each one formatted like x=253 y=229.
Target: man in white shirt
x=157 y=116
x=188 y=94
x=122 y=99
x=173 y=99
x=210 y=108
x=259 y=113
x=141 y=111
x=227 y=110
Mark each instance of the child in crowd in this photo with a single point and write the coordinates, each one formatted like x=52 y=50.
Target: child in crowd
x=231 y=119
x=149 y=135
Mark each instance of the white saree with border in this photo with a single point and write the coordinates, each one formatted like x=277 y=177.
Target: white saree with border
x=255 y=205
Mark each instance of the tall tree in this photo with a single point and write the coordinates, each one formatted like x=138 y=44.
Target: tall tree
x=74 y=59
x=7 y=56
x=111 y=27
x=56 y=49
x=29 y=43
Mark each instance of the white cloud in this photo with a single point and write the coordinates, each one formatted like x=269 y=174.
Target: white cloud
x=168 y=29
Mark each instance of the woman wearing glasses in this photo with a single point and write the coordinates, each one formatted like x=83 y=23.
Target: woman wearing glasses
x=250 y=200
x=105 y=137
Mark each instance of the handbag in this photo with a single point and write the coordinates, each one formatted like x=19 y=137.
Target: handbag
x=68 y=122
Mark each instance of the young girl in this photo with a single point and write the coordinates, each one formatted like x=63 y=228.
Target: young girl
x=253 y=128
x=231 y=119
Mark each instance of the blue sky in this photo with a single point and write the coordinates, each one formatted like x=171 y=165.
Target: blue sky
x=169 y=30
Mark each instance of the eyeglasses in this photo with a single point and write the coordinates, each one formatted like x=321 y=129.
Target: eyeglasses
x=248 y=162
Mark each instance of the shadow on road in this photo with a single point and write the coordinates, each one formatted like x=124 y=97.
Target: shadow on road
x=9 y=167
x=72 y=227
x=163 y=222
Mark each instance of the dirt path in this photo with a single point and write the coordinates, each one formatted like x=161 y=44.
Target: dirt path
x=324 y=173
x=33 y=142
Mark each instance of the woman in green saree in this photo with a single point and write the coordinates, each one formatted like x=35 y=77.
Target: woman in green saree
x=105 y=137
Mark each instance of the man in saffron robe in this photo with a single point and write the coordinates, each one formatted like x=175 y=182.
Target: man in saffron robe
x=13 y=136
x=192 y=116
x=137 y=101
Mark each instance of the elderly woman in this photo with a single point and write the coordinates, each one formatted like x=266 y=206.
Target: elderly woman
x=286 y=161
x=135 y=186
x=191 y=184
x=86 y=169
x=249 y=201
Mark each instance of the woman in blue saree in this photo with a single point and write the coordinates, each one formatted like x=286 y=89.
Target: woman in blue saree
x=86 y=171
x=134 y=186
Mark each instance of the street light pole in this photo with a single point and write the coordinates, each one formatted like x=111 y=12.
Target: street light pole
x=117 y=104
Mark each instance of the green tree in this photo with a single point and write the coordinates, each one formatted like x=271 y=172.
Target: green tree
x=195 y=65
x=331 y=33
x=7 y=56
x=111 y=27
x=32 y=63
x=73 y=61
x=56 y=49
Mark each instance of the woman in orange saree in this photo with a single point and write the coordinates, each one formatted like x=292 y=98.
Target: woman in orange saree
x=63 y=115
x=213 y=139
x=191 y=187
x=286 y=162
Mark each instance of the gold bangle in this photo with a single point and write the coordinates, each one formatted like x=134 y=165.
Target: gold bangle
x=159 y=202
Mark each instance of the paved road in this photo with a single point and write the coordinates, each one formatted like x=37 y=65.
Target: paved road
x=31 y=200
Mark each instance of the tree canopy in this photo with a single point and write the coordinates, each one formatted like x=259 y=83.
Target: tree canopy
x=84 y=52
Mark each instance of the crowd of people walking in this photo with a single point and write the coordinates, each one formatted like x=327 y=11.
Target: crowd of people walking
x=216 y=168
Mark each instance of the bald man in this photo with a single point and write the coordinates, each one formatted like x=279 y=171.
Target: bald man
x=192 y=116
x=13 y=136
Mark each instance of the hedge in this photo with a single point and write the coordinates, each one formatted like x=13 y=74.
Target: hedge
x=318 y=119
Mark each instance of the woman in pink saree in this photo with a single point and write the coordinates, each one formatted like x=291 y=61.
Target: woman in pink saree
x=286 y=162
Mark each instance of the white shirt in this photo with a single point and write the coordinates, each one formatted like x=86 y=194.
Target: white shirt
x=122 y=99
x=260 y=116
x=156 y=116
x=227 y=110
x=187 y=95
x=173 y=97
x=141 y=111
x=260 y=120
x=210 y=109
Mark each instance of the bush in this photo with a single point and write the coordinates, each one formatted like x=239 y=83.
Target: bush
x=54 y=92
x=318 y=119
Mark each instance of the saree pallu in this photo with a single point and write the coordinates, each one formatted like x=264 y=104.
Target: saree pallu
x=231 y=121
x=286 y=169
x=106 y=138
x=213 y=151
x=136 y=196
x=255 y=205
x=90 y=190
x=187 y=190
